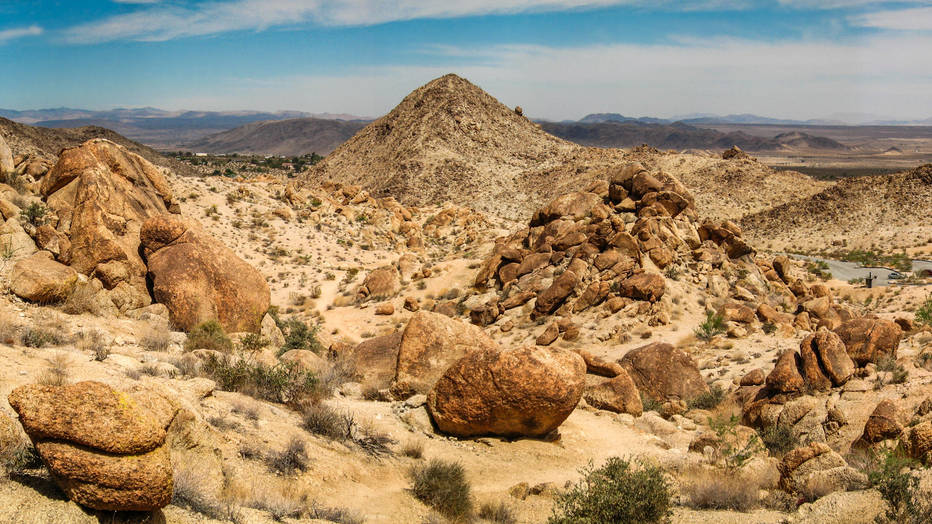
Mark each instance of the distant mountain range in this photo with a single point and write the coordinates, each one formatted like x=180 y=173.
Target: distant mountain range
x=841 y=119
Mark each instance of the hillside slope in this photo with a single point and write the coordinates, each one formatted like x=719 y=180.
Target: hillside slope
x=294 y=137
x=450 y=140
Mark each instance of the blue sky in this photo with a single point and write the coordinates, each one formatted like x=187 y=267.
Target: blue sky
x=557 y=58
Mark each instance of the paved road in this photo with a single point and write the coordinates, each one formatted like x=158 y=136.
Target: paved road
x=851 y=270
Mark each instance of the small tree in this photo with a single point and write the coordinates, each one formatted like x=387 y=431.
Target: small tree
x=714 y=325
x=924 y=313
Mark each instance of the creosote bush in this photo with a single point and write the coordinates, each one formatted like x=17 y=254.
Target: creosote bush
x=443 y=486
x=299 y=335
x=619 y=491
x=283 y=382
x=709 y=400
x=779 y=439
x=899 y=485
x=714 y=325
x=208 y=335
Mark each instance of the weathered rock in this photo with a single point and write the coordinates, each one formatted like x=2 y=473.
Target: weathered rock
x=883 y=423
x=141 y=482
x=106 y=449
x=379 y=284
x=571 y=205
x=800 y=463
x=870 y=340
x=374 y=360
x=830 y=357
x=94 y=415
x=785 y=377
x=618 y=394
x=6 y=158
x=643 y=286
x=549 y=335
x=38 y=278
x=599 y=366
x=14 y=241
x=101 y=194
x=918 y=442
x=664 y=373
x=385 y=309
x=200 y=279
x=735 y=312
x=430 y=343
x=551 y=298
x=754 y=378
x=522 y=392
x=305 y=360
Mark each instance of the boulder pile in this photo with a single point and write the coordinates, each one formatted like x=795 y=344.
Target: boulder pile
x=105 y=449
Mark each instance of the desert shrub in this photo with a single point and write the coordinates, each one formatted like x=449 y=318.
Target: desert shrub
x=94 y=342
x=289 y=460
x=779 y=439
x=299 y=335
x=619 y=491
x=249 y=410
x=208 y=335
x=190 y=493
x=38 y=336
x=326 y=422
x=338 y=515
x=150 y=369
x=709 y=400
x=720 y=489
x=283 y=382
x=650 y=404
x=714 y=325
x=443 y=486
x=734 y=454
x=253 y=342
x=57 y=372
x=17 y=454
x=899 y=486
x=497 y=512
x=924 y=313
x=769 y=328
x=35 y=214
x=413 y=449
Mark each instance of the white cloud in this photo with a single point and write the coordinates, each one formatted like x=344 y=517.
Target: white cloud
x=170 y=21
x=19 y=32
x=793 y=80
x=840 y=4
x=916 y=19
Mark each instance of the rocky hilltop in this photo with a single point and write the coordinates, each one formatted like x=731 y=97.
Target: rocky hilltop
x=450 y=140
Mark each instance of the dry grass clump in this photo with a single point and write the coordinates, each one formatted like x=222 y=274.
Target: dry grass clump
x=283 y=499
x=95 y=343
x=413 y=449
x=57 y=372
x=326 y=422
x=155 y=337
x=16 y=451
x=208 y=335
x=720 y=489
x=443 y=486
x=191 y=493
x=290 y=460
x=497 y=512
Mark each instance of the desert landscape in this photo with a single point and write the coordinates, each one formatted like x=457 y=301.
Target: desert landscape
x=457 y=312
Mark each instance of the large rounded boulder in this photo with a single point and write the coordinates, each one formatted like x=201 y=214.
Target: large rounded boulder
x=431 y=343
x=199 y=279
x=870 y=340
x=38 y=278
x=664 y=372
x=526 y=392
x=105 y=449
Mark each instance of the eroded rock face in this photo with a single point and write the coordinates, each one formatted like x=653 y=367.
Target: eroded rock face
x=664 y=372
x=618 y=394
x=102 y=194
x=521 y=392
x=430 y=343
x=374 y=360
x=884 y=423
x=825 y=360
x=200 y=279
x=380 y=283
x=106 y=449
x=870 y=340
x=38 y=278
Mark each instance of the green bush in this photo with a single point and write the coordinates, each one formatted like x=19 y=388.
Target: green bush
x=924 y=313
x=208 y=335
x=714 y=325
x=283 y=382
x=299 y=335
x=616 y=492
x=443 y=486
x=779 y=439
x=709 y=400
x=35 y=214
x=899 y=486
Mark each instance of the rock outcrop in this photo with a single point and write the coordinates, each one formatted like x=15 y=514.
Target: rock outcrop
x=106 y=449
x=100 y=194
x=521 y=392
x=870 y=340
x=200 y=279
x=664 y=372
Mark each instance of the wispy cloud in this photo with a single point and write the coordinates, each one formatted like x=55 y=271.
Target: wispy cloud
x=915 y=19
x=885 y=75
x=169 y=21
x=19 y=32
